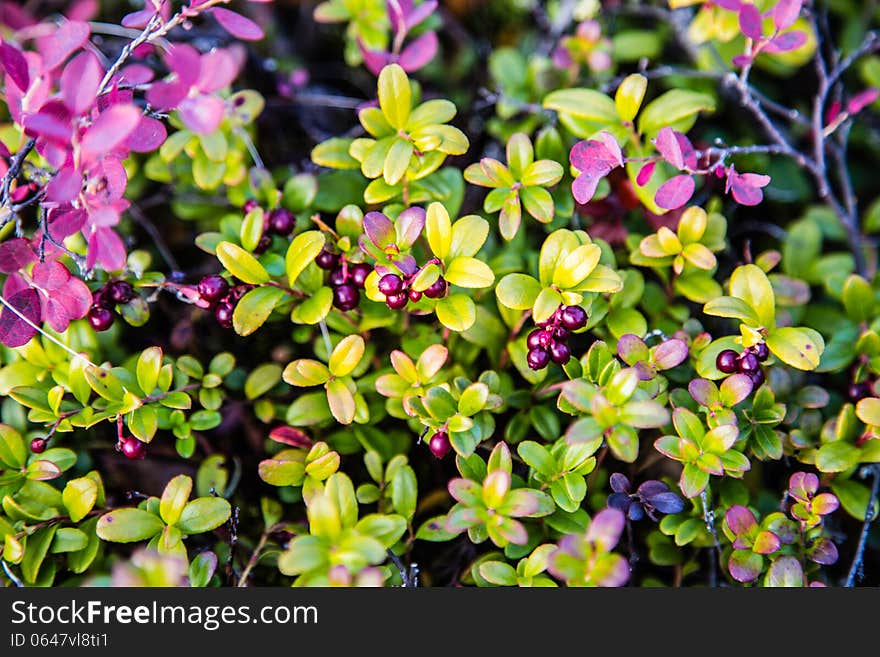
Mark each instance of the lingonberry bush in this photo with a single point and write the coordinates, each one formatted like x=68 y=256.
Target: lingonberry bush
x=370 y=293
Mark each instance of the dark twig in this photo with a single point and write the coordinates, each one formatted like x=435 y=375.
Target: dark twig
x=144 y=222
x=715 y=552
x=408 y=576
x=855 y=570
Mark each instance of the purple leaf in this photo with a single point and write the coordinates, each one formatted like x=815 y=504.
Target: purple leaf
x=419 y=14
x=149 y=135
x=632 y=349
x=409 y=226
x=202 y=114
x=703 y=391
x=65 y=186
x=824 y=552
x=379 y=229
x=15 y=254
x=645 y=173
x=740 y=519
x=668 y=146
x=675 y=192
x=619 y=483
x=635 y=512
x=237 y=25
x=185 y=62
x=785 y=13
x=861 y=100
x=15 y=332
x=605 y=529
x=670 y=353
x=110 y=129
x=741 y=60
x=620 y=501
x=135 y=74
x=15 y=65
x=729 y=5
x=687 y=150
x=803 y=485
x=397 y=11
x=736 y=388
x=786 y=42
x=744 y=565
x=750 y=21
x=69 y=37
x=79 y=82
x=746 y=187
x=418 y=53
x=668 y=502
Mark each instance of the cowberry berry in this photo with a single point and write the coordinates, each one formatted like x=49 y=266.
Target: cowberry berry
x=560 y=353
x=573 y=317
x=727 y=361
x=327 y=259
x=397 y=301
x=213 y=288
x=534 y=339
x=762 y=351
x=560 y=333
x=263 y=245
x=101 y=298
x=223 y=313
x=439 y=444
x=390 y=284
x=858 y=391
x=346 y=297
x=748 y=363
x=250 y=204
x=337 y=277
x=358 y=273
x=415 y=296
x=239 y=291
x=437 y=289
x=100 y=318
x=38 y=445
x=538 y=359
x=133 y=448
x=281 y=222
x=120 y=291
x=757 y=377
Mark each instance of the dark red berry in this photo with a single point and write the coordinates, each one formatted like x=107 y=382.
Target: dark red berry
x=120 y=291
x=538 y=359
x=337 y=277
x=560 y=333
x=100 y=319
x=560 y=353
x=858 y=391
x=390 y=284
x=545 y=339
x=437 y=289
x=748 y=363
x=757 y=377
x=263 y=245
x=762 y=351
x=573 y=317
x=727 y=361
x=439 y=444
x=281 y=222
x=397 y=301
x=213 y=288
x=133 y=448
x=359 y=273
x=223 y=313
x=415 y=296
x=346 y=296
x=327 y=259
x=101 y=298
x=239 y=291
x=250 y=204
x=534 y=339
x=38 y=445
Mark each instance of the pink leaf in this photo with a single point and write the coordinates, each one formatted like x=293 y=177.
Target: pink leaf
x=80 y=81
x=420 y=13
x=374 y=60
x=746 y=187
x=668 y=146
x=65 y=221
x=397 y=11
x=50 y=275
x=741 y=60
x=237 y=25
x=750 y=21
x=110 y=129
x=584 y=186
x=861 y=100
x=46 y=125
x=106 y=249
x=148 y=136
x=645 y=173
x=418 y=53
x=69 y=37
x=687 y=150
x=15 y=332
x=611 y=145
x=15 y=65
x=135 y=74
x=675 y=192
x=740 y=519
x=65 y=186
x=15 y=254
x=785 y=42
x=785 y=13
x=217 y=70
x=729 y=5
x=290 y=436
x=201 y=114
x=185 y=62
x=593 y=154
x=166 y=95
x=74 y=298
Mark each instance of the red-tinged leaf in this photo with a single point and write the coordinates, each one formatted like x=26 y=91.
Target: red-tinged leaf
x=107 y=249
x=50 y=275
x=15 y=254
x=290 y=436
x=741 y=60
x=785 y=13
x=110 y=178
x=645 y=173
x=416 y=15
x=148 y=136
x=668 y=146
x=740 y=519
x=15 y=65
x=687 y=150
x=48 y=126
x=166 y=95
x=786 y=42
x=591 y=154
x=374 y=60
x=237 y=25
x=379 y=229
x=135 y=74
x=418 y=53
x=201 y=114
x=750 y=21
x=138 y=19
x=803 y=485
x=611 y=145
x=670 y=353
x=15 y=332
x=65 y=186
x=218 y=70
x=861 y=100
x=79 y=82
x=834 y=110
x=825 y=503
x=110 y=129
x=584 y=186
x=746 y=187
x=744 y=565
x=766 y=542
x=824 y=552
x=68 y=38
x=675 y=192
x=65 y=221
x=605 y=528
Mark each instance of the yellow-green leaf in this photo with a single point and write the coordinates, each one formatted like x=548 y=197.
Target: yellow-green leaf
x=241 y=264
x=341 y=401
x=576 y=266
x=469 y=272
x=456 y=312
x=305 y=372
x=797 y=346
x=302 y=250
x=254 y=308
x=750 y=283
x=395 y=97
x=174 y=498
x=148 y=366
x=629 y=96
x=79 y=497
x=347 y=355
x=438 y=229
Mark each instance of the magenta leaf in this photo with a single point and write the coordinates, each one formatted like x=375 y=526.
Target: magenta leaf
x=605 y=528
x=166 y=95
x=742 y=60
x=397 y=11
x=785 y=13
x=290 y=436
x=670 y=353
x=217 y=70
x=803 y=485
x=418 y=53
x=50 y=275
x=744 y=565
x=106 y=248
x=420 y=13
x=861 y=100
x=740 y=519
x=669 y=147
x=675 y=192
x=65 y=186
x=15 y=65
x=71 y=301
x=237 y=25
x=65 y=221
x=148 y=136
x=46 y=125
x=645 y=173
x=135 y=74
x=374 y=60
x=687 y=150
x=110 y=129
x=14 y=331
x=785 y=42
x=594 y=160
x=201 y=114
x=379 y=229
x=69 y=37
x=15 y=254
x=750 y=21
x=729 y=5
x=80 y=81
x=410 y=224
x=746 y=187
x=185 y=62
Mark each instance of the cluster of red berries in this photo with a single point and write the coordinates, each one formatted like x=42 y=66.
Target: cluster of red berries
x=279 y=221
x=221 y=297
x=748 y=362
x=132 y=448
x=347 y=279
x=105 y=299
x=398 y=291
x=439 y=445
x=548 y=341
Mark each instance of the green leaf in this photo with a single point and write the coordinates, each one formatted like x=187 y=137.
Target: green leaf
x=69 y=539
x=79 y=497
x=576 y=266
x=750 y=283
x=797 y=346
x=254 y=308
x=677 y=108
x=837 y=457
x=305 y=372
x=397 y=160
x=469 y=272
x=35 y=552
x=252 y=228
x=588 y=104
x=732 y=307
x=347 y=355
x=538 y=457
x=302 y=250
x=438 y=230
x=315 y=308
x=241 y=264
x=858 y=298
x=387 y=529
x=518 y=291
x=868 y=411
x=262 y=380
x=546 y=304
x=148 y=366
x=333 y=154
x=456 y=312
x=177 y=399
x=203 y=515
x=128 y=525
x=395 y=97
x=13 y=452
x=174 y=498
x=404 y=491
